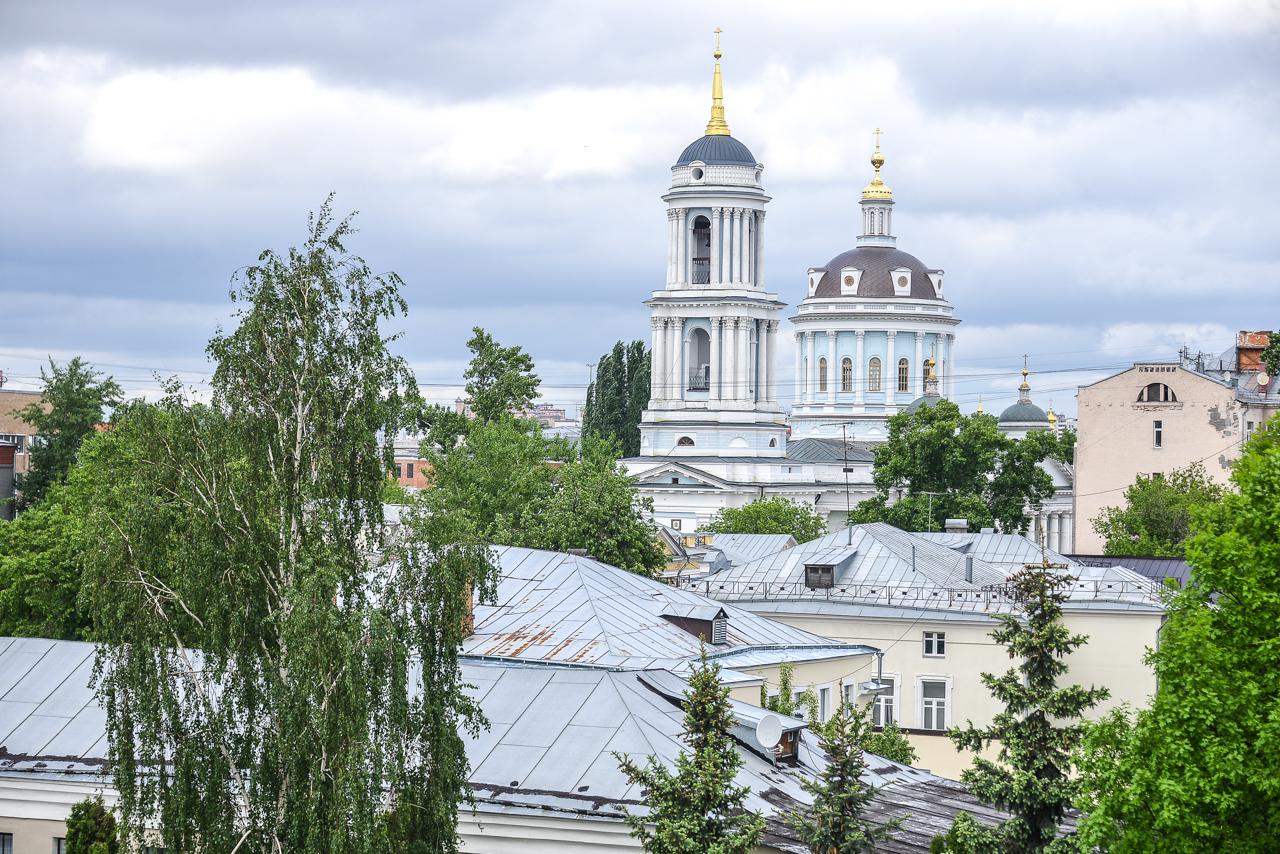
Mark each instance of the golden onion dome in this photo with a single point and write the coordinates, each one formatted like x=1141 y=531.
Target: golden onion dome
x=877 y=189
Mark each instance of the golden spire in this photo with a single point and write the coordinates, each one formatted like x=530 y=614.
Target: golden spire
x=717 y=125
x=877 y=189
x=1024 y=390
x=980 y=409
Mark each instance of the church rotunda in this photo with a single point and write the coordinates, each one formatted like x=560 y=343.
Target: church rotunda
x=872 y=318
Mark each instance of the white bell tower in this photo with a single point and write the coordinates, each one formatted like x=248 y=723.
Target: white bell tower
x=714 y=390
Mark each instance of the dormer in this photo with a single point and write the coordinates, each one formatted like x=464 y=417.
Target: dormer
x=708 y=623
x=849 y=279
x=822 y=571
x=815 y=276
x=935 y=277
x=901 y=281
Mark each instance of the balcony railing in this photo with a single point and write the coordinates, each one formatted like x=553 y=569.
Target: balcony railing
x=700 y=378
x=701 y=271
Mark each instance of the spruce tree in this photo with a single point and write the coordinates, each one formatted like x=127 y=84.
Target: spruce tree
x=835 y=824
x=699 y=809
x=618 y=396
x=1032 y=777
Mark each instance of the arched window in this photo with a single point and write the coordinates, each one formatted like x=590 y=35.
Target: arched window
x=1157 y=393
x=698 y=360
x=684 y=442
x=822 y=374
x=904 y=375
x=873 y=375
x=773 y=443
x=700 y=251
x=846 y=374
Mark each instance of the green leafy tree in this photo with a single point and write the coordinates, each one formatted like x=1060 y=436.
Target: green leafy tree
x=836 y=824
x=698 y=809
x=1039 y=725
x=500 y=380
x=258 y=662
x=1199 y=770
x=1271 y=355
x=938 y=464
x=443 y=426
x=91 y=828
x=73 y=401
x=770 y=516
x=517 y=488
x=1066 y=447
x=40 y=569
x=618 y=396
x=1156 y=518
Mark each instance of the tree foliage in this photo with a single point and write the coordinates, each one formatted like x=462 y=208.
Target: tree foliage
x=256 y=665
x=500 y=380
x=618 y=396
x=938 y=464
x=770 y=516
x=73 y=402
x=698 y=809
x=40 y=570
x=1156 y=517
x=1199 y=770
x=91 y=828
x=515 y=487
x=1039 y=725
x=836 y=824
x=1271 y=355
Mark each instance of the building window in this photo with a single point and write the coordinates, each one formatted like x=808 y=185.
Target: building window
x=933 y=704
x=773 y=443
x=12 y=439
x=675 y=524
x=1157 y=434
x=399 y=470
x=824 y=703
x=846 y=374
x=720 y=630
x=904 y=375
x=882 y=706
x=408 y=470
x=1248 y=430
x=873 y=375
x=822 y=374
x=684 y=442
x=6 y=843
x=818 y=577
x=59 y=845
x=935 y=644
x=1157 y=393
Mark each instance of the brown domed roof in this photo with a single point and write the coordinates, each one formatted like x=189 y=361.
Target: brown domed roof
x=875 y=262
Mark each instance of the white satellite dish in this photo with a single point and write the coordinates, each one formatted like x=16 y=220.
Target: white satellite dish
x=1263 y=379
x=769 y=731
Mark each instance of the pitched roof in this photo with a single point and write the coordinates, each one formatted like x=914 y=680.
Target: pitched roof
x=566 y=609
x=548 y=749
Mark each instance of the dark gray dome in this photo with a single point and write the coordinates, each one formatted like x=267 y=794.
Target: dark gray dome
x=1024 y=412
x=927 y=400
x=875 y=262
x=717 y=150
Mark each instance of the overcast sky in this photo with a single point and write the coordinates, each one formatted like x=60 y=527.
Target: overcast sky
x=1098 y=179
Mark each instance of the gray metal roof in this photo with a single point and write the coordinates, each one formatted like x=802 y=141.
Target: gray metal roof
x=559 y=608
x=741 y=548
x=876 y=262
x=548 y=749
x=717 y=150
x=1157 y=569
x=820 y=450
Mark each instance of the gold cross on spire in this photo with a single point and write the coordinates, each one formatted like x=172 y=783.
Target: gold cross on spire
x=717 y=125
x=877 y=133
x=717 y=53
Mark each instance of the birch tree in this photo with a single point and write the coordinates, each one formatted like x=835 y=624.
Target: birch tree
x=263 y=637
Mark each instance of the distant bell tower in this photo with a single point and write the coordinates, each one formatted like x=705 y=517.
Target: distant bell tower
x=714 y=390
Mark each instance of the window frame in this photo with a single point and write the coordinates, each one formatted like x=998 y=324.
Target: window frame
x=939 y=640
x=893 y=698
x=1157 y=433
x=820 y=573
x=822 y=374
x=846 y=374
x=874 y=370
x=947 y=706
x=904 y=375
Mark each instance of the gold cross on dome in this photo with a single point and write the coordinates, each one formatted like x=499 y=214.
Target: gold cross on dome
x=718 y=31
x=878 y=132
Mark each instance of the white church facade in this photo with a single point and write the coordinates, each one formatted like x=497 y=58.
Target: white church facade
x=874 y=334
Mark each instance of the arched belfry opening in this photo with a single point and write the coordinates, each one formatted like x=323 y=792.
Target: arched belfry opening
x=700 y=249
x=699 y=360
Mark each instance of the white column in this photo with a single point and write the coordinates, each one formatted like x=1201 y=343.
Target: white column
x=715 y=245
x=798 y=393
x=753 y=361
x=859 y=381
x=811 y=385
x=744 y=366
x=713 y=389
x=917 y=369
x=750 y=248
x=655 y=366
x=677 y=336
x=728 y=381
x=731 y=262
x=831 y=367
x=744 y=237
x=682 y=246
x=759 y=278
x=766 y=362
x=1052 y=541
x=1068 y=524
x=951 y=366
x=891 y=369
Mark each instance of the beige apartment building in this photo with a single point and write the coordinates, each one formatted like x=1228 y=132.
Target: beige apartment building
x=13 y=430
x=1160 y=416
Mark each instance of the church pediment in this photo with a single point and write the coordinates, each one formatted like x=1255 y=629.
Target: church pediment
x=677 y=476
